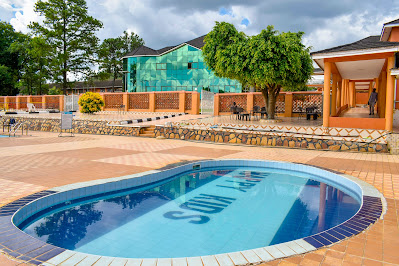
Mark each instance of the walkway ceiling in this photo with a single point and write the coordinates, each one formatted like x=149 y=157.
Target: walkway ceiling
x=362 y=69
x=362 y=85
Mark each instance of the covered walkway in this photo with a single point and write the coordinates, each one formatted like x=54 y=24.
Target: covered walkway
x=351 y=71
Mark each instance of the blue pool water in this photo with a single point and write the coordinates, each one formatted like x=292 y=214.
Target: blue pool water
x=198 y=213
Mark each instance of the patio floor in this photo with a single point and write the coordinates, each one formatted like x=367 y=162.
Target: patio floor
x=42 y=160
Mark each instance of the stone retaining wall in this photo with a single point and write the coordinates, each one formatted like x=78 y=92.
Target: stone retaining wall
x=267 y=140
x=79 y=126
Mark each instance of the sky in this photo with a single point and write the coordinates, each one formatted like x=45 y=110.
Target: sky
x=326 y=23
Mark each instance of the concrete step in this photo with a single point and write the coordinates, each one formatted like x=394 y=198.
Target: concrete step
x=149 y=135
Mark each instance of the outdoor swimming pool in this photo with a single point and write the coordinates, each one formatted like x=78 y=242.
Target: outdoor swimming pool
x=204 y=211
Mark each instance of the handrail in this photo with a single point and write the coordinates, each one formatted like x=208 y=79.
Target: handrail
x=14 y=128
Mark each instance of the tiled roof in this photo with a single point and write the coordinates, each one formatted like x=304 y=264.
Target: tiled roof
x=197 y=42
x=396 y=21
x=366 y=43
x=167 y=48
x=144 y=50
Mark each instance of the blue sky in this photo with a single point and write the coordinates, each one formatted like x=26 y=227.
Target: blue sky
x=169 y=22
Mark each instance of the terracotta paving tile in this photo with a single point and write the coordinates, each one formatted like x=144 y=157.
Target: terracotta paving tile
x=296 y=259
x=309 y=262
x=93 y=153
x=72 y=173
x=368 y=262
x=199 y=151
x=31 y=164
x=153 y=160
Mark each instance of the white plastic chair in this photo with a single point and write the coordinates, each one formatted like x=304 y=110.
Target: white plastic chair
x=31 y=107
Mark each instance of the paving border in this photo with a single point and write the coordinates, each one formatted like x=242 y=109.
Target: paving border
x=141 y=120
x=25 y=248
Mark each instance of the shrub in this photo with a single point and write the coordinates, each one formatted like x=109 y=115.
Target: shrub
x=90 y=102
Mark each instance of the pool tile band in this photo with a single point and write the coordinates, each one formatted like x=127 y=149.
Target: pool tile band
x=17 y=244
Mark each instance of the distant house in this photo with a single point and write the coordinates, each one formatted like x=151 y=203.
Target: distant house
x=95 y=86
x=173 y=68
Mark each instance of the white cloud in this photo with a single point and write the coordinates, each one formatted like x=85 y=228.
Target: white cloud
x=24 y=15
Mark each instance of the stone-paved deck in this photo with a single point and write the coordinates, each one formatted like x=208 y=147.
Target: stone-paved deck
x=41 y=161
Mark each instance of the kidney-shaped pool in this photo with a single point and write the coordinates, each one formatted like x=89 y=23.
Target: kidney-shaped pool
x=208 y=210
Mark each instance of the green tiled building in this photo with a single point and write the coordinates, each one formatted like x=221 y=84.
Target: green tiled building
x=173 y=68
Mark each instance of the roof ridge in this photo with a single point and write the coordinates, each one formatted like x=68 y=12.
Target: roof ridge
x=393 y=21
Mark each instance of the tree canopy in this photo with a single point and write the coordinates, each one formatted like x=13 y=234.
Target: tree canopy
x=112 y=50
x=268 y=61
x=70 y=32
x=9 y=60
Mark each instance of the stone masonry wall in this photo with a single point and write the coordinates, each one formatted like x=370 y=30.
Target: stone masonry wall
x=267 y=140
x=79 y=126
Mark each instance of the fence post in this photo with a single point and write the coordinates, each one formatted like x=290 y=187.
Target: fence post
x=250 y=101
x=61 y=103
x=7 y=102
x=288 y=104
x=44 y=102
x=195 y=103
x=125 y=101
x=102 y=96
x=17 y=102
x=216 y=100
x=182 y=101
x=152 y=103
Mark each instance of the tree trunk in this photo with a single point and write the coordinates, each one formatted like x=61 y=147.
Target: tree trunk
x=270 y=93
x=271 y=106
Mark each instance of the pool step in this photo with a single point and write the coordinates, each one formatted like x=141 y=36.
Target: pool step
x=148 y=132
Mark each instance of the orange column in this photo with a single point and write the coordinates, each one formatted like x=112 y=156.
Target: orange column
x=339 y=94
x=288 y=104
x=216 y=104
x=125 y=100
x=182 y=101
x=389 y=95
x=334 y=95
x=250 y=101
x=326 y=98
x=195 y=103
x=44 y=102
x=347 y=93
x=61 y=102
x=343 y=92
x=152 y=102
x=352 y=93
x=382 y=93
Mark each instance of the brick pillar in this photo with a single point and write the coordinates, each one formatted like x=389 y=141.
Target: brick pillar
x=250 y=101
x=61 y=99
x=6 y=102
x=151 y=102
x=216 y=100
x=288 y=104
x=18 y=102
x=44 y=102
x=125 y=101
x=182 y=101
x=195 y=103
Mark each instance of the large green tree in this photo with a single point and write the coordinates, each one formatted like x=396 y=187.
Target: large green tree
x=9 y=60
x=70 y=32
x=268 y=61
x=110 y=52
x=34 y=59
